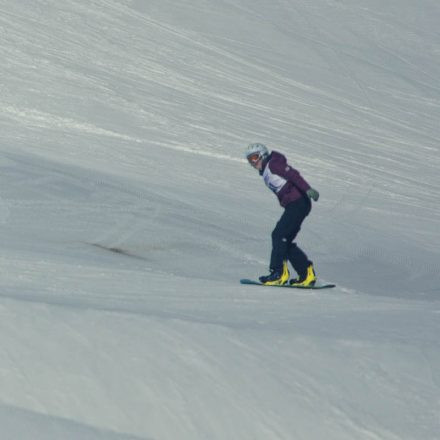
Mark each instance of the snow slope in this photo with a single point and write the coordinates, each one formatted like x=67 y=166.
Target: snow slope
x=128 y=215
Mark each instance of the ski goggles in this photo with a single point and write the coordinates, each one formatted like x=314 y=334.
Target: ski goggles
x=253 y=158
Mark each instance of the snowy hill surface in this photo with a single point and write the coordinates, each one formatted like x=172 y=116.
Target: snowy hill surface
x=128 y=216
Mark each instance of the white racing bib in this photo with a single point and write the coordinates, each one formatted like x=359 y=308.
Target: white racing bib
x=273 y=181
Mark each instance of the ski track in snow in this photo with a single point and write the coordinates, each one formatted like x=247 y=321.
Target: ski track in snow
x=128 y=215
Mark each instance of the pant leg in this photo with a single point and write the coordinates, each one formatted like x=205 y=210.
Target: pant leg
x=298 y=259
x=285 y=231
x=280 y=244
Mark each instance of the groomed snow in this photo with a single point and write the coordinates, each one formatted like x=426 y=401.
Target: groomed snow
x=128 y=216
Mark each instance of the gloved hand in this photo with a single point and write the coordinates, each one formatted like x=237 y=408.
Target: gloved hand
x=313 y=194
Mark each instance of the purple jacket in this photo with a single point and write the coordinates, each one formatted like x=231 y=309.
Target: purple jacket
x=282 y=179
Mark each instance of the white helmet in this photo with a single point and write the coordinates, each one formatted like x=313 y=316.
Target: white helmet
x=257 y=148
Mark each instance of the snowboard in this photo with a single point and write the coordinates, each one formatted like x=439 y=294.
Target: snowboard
x=315 y=287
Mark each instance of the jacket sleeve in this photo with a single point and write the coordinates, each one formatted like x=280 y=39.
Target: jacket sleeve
x=283 y=169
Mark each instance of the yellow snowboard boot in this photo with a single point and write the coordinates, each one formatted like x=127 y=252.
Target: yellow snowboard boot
x=277 y=277
x=308 y=280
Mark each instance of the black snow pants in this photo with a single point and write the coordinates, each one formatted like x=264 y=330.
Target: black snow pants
x=287 y=228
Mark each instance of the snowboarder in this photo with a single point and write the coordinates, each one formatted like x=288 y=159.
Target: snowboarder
x=294 y=195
